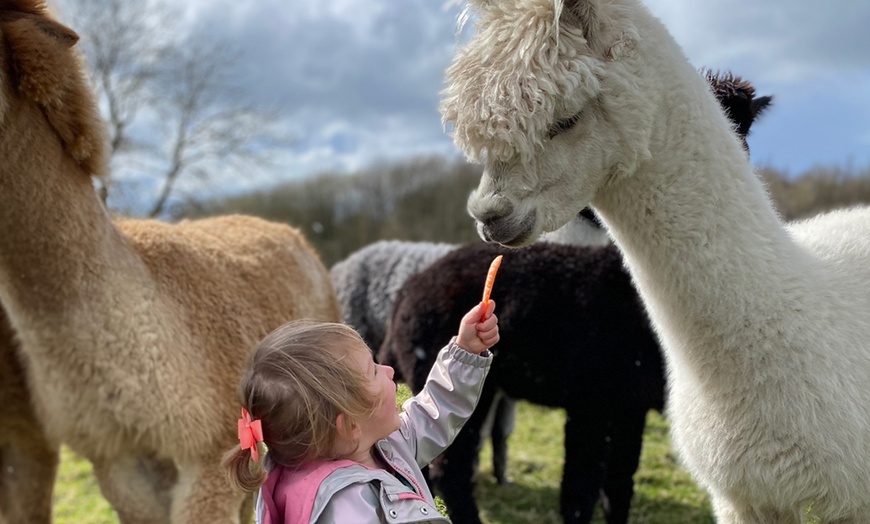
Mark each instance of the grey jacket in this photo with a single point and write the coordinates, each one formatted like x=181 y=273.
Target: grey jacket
x=354 y=493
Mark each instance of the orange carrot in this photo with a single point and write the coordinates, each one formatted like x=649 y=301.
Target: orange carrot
x=490 y=280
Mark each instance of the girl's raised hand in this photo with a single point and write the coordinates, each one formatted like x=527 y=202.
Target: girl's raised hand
x=478 y=329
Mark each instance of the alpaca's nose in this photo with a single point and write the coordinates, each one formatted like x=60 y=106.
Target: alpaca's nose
x=506 y=229
x=494 y=219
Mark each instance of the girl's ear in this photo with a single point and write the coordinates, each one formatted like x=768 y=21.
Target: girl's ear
x=347 y=430
x=341 y=425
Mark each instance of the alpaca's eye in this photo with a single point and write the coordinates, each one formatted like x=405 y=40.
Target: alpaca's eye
x=564 y=125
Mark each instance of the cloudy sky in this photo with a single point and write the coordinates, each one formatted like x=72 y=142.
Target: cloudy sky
x=358 y=80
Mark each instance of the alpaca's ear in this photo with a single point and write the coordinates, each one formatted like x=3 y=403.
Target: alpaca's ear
x=46 y=71
x=758 y=105
x=584 y=14
x=605 y=40
x=40 y=58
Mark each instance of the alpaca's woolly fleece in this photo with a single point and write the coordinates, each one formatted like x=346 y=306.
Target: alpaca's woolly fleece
x=737 y=96
x=367 y=281
x=573 y=335
x=764 y=327
x=133 y=334
x=28 y=460
x=579 y=231
x=516 y=75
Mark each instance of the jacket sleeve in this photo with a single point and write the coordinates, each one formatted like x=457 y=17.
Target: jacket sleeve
x=357 y=503
x=432 y=418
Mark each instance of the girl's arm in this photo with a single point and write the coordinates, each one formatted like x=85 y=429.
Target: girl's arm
x=432 y=418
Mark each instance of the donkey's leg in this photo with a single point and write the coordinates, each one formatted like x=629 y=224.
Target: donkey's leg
x=203 y=494
x=139 y=487
x=28 y=467
x=502 y=427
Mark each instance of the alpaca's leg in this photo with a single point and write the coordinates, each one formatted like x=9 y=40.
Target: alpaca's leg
x=246 y=514
x=453 y=473
x=139 y=488
x=203 y=494
x=725 y=511
x=624 y=456
x=485 y=430
x=28 y=466
x=732 y=512
x=861 y=516
x=585 y=451
x=498 y=426
x=502 y=427
x=427 y=476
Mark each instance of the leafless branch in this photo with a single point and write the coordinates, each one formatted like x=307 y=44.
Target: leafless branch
x=169 y=99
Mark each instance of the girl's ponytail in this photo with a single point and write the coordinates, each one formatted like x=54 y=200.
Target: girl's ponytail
x=299 y=379
x=242 y=472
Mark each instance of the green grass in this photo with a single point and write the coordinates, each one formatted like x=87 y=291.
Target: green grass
x=665 y=494
x=77 y=498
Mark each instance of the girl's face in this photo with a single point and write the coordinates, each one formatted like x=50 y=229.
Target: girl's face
x=385 y=419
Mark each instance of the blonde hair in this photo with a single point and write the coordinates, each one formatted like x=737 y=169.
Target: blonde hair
x=297 y=383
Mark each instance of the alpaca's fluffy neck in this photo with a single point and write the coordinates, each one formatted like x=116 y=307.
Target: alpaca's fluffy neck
x=57 y=243
x=710 y=256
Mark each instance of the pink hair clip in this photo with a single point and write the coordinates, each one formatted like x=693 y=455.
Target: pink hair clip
x=250 y=432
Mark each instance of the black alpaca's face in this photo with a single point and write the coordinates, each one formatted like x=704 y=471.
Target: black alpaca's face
x=738 y=100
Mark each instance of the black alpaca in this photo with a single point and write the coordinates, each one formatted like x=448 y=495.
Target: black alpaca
x=573 y=335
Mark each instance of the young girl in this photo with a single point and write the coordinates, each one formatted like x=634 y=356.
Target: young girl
x=339 y=451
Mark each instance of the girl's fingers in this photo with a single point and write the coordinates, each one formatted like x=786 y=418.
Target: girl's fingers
x=490 y=309
x=490 y=341
x=487 y=334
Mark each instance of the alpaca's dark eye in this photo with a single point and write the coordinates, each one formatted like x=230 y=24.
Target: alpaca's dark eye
x=564 y=125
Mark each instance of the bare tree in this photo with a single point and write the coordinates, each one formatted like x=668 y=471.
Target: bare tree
x=168 y=97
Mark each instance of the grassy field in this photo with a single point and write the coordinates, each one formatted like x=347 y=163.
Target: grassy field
x=665 y=493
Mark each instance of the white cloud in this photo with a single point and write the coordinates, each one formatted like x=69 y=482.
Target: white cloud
x=359 y=80
x=784 y=41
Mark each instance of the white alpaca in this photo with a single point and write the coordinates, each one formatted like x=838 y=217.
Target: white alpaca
x=766 y=328
x=582 y=230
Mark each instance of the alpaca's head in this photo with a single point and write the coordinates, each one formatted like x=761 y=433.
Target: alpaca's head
x=556 y=98
x=43 y=85
x=737 y=98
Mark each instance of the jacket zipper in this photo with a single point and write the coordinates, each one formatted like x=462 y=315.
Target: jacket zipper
x=404 y=474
